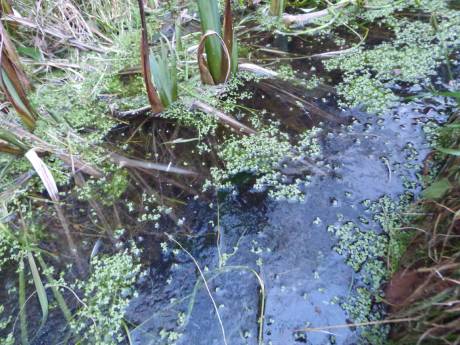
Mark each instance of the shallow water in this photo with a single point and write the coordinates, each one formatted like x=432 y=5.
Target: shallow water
x=286 y=243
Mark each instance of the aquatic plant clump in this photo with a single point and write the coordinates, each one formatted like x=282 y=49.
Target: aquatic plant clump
x=106 y=294
x=266 y=155
x=419 y=48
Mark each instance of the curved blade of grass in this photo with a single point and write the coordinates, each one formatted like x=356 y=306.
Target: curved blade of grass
x=50 y=185
x=57 y=294
x=205 y=73
x=152 y=94
x=453 y=152
x=44 y=173
x=39 y=287
x=210 y=21
x=22 y=305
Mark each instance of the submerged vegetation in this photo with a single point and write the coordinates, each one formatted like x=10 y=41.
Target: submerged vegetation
x=118 y=118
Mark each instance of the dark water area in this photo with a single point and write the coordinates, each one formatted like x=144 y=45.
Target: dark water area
x=287 y=244
x=245 y=241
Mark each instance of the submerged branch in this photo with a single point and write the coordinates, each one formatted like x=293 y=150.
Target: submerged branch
x=257 y=70
x=141 y=164
x=221 y=117
x=306 y=18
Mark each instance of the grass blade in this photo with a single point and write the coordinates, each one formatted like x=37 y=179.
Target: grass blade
x=5 y=148
x=152 y=94
x=5 y=7
x=57 y=294
x=453 y=152
x=164 y=72
x=39 y=287
x=12 y=54
x=22 y=305
x=44 y=173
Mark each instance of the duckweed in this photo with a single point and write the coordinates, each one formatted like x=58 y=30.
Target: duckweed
x=106 y=293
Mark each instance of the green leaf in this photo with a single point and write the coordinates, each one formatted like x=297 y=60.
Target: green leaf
x=453 y=94
x=453 y=152
x=164 y=73
x=22 y=305
x=33 y=53
x=41 y=292
x=437 y=189
x=210 y=21
x=277 y=7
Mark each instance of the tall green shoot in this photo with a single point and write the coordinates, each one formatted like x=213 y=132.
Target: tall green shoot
x=220 y=44
x=164 y=73
x=277 y=7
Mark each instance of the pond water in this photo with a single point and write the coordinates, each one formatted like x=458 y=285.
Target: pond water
x=287 y=244
x=271 y=268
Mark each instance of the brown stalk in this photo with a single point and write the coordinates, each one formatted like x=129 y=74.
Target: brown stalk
x=228 y=33
x=5 y=148
x=154 y=99
x=10 y=65
x=141 y=164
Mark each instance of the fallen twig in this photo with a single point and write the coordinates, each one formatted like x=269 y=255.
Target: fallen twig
x=223 y=118
x=141 y=164
x=306 y=18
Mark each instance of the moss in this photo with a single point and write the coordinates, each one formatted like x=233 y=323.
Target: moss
x=203 y=123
